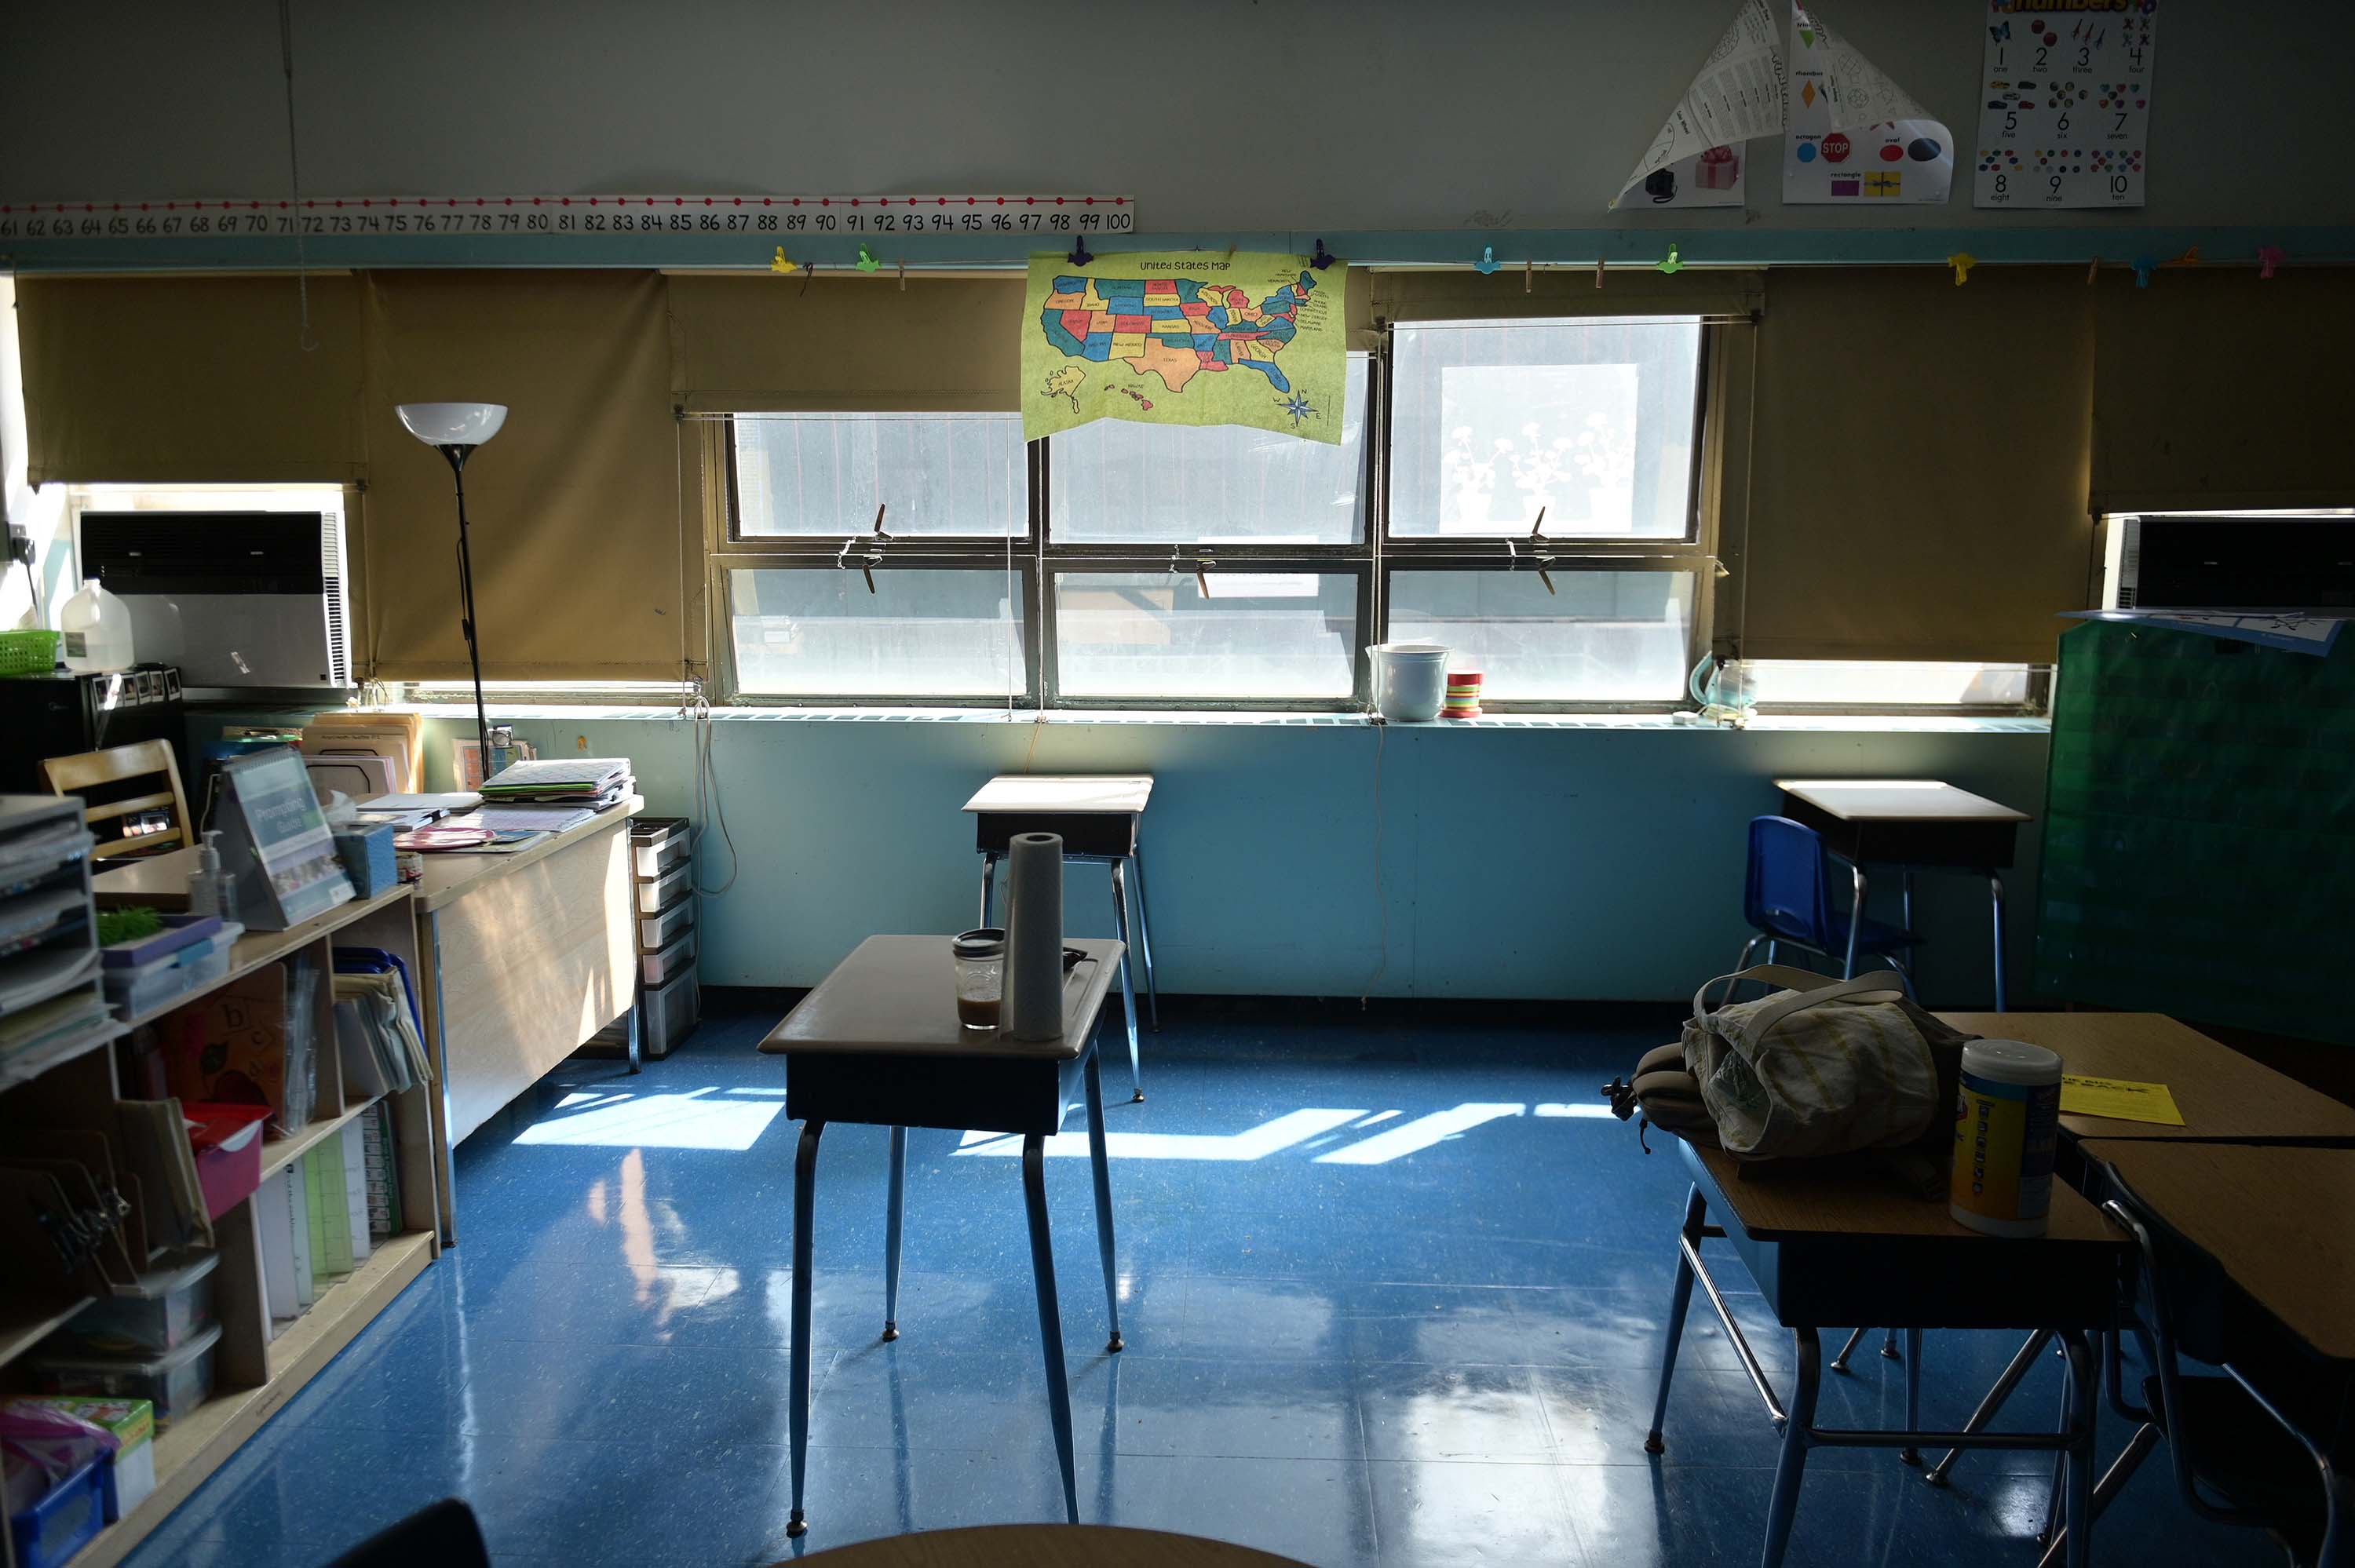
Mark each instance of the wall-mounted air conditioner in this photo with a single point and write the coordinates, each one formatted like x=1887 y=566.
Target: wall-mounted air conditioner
x=2213 y=561
x=234 y=599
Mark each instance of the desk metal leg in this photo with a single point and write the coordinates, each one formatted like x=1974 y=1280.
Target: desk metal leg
x=1051 y=1321
x=1912 y=1392
x=1839 y=1361
x=446 y=1174
x=1098 y=1157
x=1995 y=901
x=1145 y=944
x=895 y=1205
x=797 y=1414
x=637 y=1013
x=2020 y=1365
x=2077 y=1513
x=1855 y=924
x=1792 y=1466
x=1679 y=1300
x=1127 y=987
x=988 y=884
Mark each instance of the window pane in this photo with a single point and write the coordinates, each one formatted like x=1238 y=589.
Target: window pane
x=1600 y=637
x=1882 y=683
x=1260 y=635
x=1591 y=421
x=960 y=475
x=1113 y=483
x=921 y=633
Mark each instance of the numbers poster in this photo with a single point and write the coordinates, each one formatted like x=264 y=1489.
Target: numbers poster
x=2066 y=119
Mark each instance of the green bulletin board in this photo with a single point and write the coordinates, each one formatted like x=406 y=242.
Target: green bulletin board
x=2199 y=831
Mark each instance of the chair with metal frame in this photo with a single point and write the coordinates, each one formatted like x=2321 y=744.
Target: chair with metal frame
x=122 y=788
x=2222 y=1435
x=1787 y=899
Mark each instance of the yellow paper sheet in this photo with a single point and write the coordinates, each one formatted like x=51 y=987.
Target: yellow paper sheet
x=2120 y=1099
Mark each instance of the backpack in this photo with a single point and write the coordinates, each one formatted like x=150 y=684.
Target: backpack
x=1819 y=1068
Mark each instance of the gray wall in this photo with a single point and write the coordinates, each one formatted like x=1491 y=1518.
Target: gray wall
x=1219 y=115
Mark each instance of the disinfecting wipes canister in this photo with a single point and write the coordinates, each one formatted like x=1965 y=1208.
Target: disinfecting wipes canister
x=2007 y=1123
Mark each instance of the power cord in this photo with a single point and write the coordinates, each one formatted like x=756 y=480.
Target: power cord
x=709 y=809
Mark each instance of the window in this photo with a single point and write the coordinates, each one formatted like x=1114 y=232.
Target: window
x=1879 y=686
x=1133 y=565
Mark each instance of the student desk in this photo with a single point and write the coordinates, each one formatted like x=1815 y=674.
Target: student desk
x=2274 y=1220
x=1047 y=1546
x=878 y=1042
x=1834 y=1249
x=1910 y=823
x=1098 y=817
x=525 y=957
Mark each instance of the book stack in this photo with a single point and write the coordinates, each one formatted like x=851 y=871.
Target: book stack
x=595 y=782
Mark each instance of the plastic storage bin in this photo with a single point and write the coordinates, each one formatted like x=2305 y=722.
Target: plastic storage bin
x=138 y=988
x=656 y=932
x=657 y=845
x=164 y=1311
x=51 y=1531
x=175 y=1382
x=661 y=968
x=655 y=896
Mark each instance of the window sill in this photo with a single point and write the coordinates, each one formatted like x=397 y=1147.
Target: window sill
x=1780 y=723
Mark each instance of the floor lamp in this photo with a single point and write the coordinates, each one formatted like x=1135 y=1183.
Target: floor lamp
x=455 y=429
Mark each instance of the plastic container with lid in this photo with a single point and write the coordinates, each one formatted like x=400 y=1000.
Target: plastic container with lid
x=166 y=1310
x=175 y=1382
x=95 y=630
x=2006 y=1130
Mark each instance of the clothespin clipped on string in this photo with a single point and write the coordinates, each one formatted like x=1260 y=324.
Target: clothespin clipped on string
x=866 y=261
x=1080 y=256
x=2093 y=270
x=2189 y=258
x=1672 y=262
x=1529 y=277
x=1962 y=261
x=1323 y=259
x=781 y=263
x=2268 y=258
x=1487 y=262
x=903 y=274
x=1598 y=271
x=2144 y=266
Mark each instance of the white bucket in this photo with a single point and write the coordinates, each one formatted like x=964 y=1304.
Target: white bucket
x=1410 y=680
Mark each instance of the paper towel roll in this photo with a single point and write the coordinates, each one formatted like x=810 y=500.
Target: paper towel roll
x=1034 y=936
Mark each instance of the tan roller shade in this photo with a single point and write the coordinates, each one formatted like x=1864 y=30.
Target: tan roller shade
x=174 y=380
x=786 y=344
x=574 y=504
x=1918 y=464
x=1462 y=294
x=2221 y=389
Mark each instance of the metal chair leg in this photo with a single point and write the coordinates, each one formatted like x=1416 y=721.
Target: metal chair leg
x=1889 y=1344
x=1792 y=1466
x=988 y=884
x=1839 y=1361
x=1855 y=924
x=1995 y=902
x=1145 y=944
x=1127 y=987
x=1913 y=1394
x=2122 y=1469
x=895 y=1204
x=797 y=1414
x=1098 y=1158
x=2021 y=1362
x=1679 y=1301
x=1050 y=1318
x=2077 y=1513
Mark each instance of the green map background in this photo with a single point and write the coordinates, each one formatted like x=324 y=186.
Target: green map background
x=1316 y=361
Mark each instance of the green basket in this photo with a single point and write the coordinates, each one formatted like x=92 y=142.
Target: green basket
x=27 y=652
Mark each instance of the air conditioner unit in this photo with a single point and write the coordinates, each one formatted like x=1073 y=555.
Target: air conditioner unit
x=234 y=599
x=2212 y=561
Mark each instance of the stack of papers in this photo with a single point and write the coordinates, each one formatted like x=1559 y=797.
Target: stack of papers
x=377 y=1023
x=595 y=782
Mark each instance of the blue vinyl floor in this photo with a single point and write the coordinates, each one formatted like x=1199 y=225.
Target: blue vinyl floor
x=1385 y=1302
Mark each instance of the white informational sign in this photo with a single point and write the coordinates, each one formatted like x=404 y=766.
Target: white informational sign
x=2066 y=119
x=555 y=218
x=1854 y=134
x=1737 y=95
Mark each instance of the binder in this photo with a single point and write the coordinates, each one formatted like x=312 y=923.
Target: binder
x=356 y=1215
x=272 y=1211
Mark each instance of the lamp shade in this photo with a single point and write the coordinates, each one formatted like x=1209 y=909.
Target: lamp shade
x=452 y=424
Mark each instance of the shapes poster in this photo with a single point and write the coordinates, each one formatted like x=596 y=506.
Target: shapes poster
x=2065 y=120
x=1186 y=337
x=1854 y=134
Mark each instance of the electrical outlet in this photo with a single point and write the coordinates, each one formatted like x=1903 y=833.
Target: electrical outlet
x=20 y=543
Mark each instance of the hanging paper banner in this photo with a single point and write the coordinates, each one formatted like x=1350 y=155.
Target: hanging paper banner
x=1737 y=95
x=1854 y=134
x=1187 y=337
x=2066 y=119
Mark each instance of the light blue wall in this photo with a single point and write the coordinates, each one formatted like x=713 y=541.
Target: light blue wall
x=1570 y=863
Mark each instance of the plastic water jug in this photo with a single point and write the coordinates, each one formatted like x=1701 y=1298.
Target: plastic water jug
x=95 y=630
x=1410 y=680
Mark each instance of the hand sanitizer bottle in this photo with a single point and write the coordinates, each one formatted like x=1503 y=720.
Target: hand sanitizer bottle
x=211 y=891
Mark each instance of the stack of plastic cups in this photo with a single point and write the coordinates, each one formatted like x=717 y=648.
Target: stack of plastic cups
x=1463 y=694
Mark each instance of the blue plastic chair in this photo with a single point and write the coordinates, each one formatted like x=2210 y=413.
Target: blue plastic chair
x=1787 y=899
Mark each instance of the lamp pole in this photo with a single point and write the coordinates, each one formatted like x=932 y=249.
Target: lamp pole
x=457 y=456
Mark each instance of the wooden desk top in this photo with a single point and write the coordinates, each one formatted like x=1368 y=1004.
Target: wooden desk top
x=1779 y=1206
x=2274 y=1219
x=1898 y=801
x=897 y=996
x=2222 y=1093
x=1046 y=1546
x=450 y=878
x=1123 y=794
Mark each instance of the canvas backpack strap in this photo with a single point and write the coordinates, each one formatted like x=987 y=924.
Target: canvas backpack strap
x=1814 y=988
x=1884 y=982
